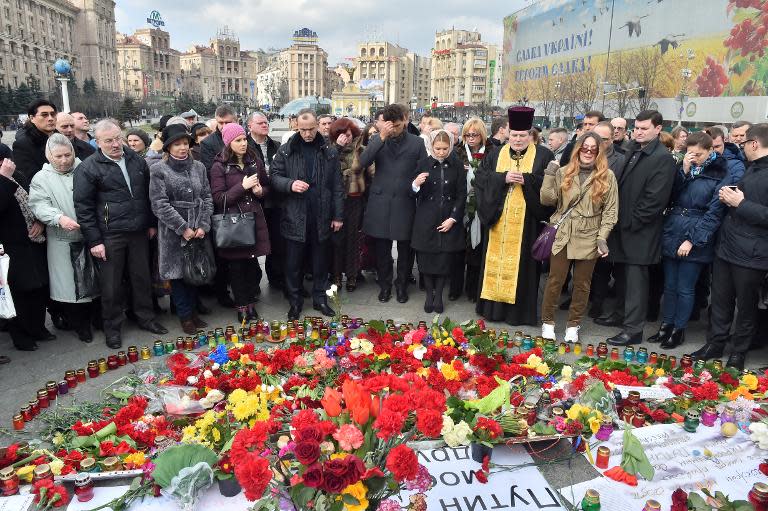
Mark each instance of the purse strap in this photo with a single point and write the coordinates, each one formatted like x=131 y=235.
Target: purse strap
x=569 y=210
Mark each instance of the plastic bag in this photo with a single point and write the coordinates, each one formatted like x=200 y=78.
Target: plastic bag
x=7 y=309
x=186 y=487
x=177 y=400
x=197 y=262
x=86 y=271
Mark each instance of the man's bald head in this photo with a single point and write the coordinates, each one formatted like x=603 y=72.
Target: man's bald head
x=65 y=124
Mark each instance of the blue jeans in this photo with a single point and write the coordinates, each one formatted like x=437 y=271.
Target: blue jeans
x=184 y=297
x=680 y=278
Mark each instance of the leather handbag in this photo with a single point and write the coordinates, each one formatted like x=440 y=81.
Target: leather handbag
x=233 y=230
x=542 y=247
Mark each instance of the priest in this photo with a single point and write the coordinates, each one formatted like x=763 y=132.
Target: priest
x=507 y=186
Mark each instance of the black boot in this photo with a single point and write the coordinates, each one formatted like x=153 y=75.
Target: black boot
x=665 y=330
x=439 y=284
x=429 y=287
x=736 y=360
x=675 y=339
x=708 y=351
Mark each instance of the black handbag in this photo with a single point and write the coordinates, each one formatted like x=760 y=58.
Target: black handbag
x=233 y=230
x=86 y=271
x=198 y=266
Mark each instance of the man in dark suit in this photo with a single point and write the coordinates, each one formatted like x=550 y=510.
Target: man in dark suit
x=645 y=186
x=389 y=214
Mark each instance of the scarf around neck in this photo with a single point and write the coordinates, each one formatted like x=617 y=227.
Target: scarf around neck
x=698 y=169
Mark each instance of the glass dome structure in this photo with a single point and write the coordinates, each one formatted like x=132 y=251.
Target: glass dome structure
x=320 y=105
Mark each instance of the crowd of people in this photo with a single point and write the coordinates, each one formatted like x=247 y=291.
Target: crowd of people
x=98 y=226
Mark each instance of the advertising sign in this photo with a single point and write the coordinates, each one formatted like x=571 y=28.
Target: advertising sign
x=707 y=49
x=373 y=87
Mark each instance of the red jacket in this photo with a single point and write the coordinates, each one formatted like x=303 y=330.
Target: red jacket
x=227 y=184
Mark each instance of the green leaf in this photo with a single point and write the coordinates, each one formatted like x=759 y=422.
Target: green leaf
x=350 y=500
x=378 y=325
x=170 y=462
x=301 y=495
x=697 y=503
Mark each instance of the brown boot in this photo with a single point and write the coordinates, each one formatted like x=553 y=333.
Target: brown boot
x=188 y=326
x=199 y=323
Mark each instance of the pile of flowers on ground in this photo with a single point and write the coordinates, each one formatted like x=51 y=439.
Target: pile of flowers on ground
x=330 y=419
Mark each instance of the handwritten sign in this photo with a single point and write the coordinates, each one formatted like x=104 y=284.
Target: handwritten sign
x=457 y=489
x=654 y=393
x=691 y=461
x=16 y=502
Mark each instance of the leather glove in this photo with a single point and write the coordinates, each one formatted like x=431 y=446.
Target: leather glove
x=551 y=169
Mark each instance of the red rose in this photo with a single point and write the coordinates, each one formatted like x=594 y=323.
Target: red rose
x=679 y=500
x=333 y=483
x=313 y=476
x=307 y=452
x=355 y=469
x=402 y=462
x=480 y=475
x=659 y=415
x=336 y=467
x=308 y=433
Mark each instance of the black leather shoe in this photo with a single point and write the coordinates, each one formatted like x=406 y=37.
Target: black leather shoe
x=114 y=342
x=736 y=360
x=609 y=321
x=596 y=310
x=84 y=333
x=453 y=298
x=294 y=312
x=662 y=335
x=60 y=322
x=45 y=335
x=402 y=295
x=324 y=309
x=154 y=327
x=385 y=295
x=708 y=351
x=624 y=339
x=676 y=338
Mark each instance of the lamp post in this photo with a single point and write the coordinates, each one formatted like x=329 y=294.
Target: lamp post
x=62 y=69
x=686 y=74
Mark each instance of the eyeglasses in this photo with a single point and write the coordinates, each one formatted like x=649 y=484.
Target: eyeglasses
x=472 y=135
x=110 y=141
x=589 y=150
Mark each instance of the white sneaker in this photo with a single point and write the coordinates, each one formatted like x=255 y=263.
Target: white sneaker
x=547 y=331
x=572 y=334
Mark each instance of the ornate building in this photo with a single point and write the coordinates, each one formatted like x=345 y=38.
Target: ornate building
x=307 y=66
x=392 y=74
x=148 y=64
x=461 y=68
x=95 y=44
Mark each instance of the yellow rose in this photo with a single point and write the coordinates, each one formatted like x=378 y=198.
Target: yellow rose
x=749 y=381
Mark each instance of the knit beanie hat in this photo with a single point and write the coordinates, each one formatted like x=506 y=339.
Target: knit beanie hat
x=230 y=132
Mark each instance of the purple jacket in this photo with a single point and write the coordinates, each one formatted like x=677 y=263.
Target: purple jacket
x=227 y=184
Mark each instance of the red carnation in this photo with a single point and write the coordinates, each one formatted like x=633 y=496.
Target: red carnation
x=388 y=424
x=249 y=440
x=429 y=422
x=307 y=452
x=253 y=474
x=402 y=462
x=304 y=418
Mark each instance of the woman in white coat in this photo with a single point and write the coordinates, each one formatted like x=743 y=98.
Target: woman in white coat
x=50 y=198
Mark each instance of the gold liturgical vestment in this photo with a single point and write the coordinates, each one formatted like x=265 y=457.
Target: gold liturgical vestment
x=505 y=237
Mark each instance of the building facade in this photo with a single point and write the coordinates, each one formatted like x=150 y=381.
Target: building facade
x=94 y=34
x=147 y=64
x=306 y=65
x=392 y=74
x=461 y=68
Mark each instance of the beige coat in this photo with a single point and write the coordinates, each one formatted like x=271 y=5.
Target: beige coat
x=588 y=221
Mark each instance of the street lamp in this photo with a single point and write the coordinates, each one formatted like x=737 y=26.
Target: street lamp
x=686 y=74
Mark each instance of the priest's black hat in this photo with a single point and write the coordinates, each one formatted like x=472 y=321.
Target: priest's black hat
x=520 y=118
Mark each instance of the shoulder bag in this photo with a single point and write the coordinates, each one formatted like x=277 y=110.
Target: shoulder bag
x=542 y=247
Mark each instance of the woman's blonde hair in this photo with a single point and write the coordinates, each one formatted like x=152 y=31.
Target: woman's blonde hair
x=475 y=123
x=435 y=123
x=600 y=179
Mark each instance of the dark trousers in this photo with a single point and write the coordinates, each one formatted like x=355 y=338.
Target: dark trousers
x=274 y=265
x=384 y=262
x=317 y=252
x=601 y=279
x=680 y=277
x=632 y=295
x=655 y=288
x=244 y=277
x=131 y=250
x=737 y=287
x=346 y=242
x=27 y=326
x=456 y=286
x=184 y=297
x=78 y=314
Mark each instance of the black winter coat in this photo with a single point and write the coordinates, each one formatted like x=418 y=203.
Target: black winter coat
x=391 y=205
x=209 y=148
x=744 y=234
x=287 y=167
x=82 y=149
x=272 y=200
x=443 y=195
x=29 y=150
x=645 y=185
x=29 y=268
x=103 y=202
x=696 y=212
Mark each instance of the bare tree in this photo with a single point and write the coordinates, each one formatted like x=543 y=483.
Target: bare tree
x=622 y=76
x=545 y=93
x=649 y=70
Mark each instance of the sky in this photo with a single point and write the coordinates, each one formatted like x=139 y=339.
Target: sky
x=340 y=24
